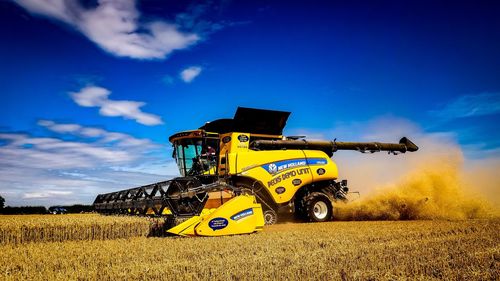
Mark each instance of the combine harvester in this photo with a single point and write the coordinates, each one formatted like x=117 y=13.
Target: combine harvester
x=265 y=173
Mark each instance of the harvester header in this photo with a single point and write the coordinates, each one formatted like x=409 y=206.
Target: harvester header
x=240 y=173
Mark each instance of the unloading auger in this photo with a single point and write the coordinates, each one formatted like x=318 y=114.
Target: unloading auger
x=239 y=174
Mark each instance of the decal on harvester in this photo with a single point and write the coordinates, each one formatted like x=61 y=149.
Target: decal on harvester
x=217 y=223
x=317 y=161
x=278 y=167
x=243 y=138
x=242 y=214
x=280 y=190
x=288 y=175
x=274 y=168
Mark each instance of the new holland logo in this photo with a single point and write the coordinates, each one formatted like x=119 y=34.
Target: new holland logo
x=272 y=168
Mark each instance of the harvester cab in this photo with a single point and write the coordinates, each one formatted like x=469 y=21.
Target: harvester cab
x=195 y=152
x=241 y=173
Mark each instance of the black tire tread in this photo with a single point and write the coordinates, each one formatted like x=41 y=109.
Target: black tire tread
x=309 y=200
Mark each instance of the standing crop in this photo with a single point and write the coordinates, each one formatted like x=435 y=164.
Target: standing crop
x=17 y=229
x=379 y=250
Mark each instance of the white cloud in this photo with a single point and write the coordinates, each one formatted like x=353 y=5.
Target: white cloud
x=104 y=137
x=46 y=194
x=48 y=170
x=59 y=128
x=92 y=132
x=116 y=26
x=188 y=74
x=93 y=96
x=470 y=105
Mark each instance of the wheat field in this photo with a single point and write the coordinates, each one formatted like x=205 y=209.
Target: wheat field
x=17 y=229
x=379 y=250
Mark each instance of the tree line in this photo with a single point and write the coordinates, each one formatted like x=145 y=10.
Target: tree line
x=8 y=210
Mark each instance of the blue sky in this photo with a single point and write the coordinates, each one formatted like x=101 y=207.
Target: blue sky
x=91 y=90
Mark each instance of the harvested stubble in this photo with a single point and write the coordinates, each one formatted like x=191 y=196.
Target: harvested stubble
x=17 y=229
x=380 y=250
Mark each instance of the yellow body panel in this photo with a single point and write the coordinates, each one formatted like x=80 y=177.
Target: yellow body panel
x=285 y=172
x=186 y=228
x=282 y=172
x=239 y=215
x=211 y=171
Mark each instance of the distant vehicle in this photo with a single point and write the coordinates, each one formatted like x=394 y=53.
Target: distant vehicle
x=58 y=210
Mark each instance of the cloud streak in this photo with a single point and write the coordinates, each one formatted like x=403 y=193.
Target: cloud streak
x=470 y=106
x=93 y=96
x=190 y=73
x=46 y=194
x=116 y=27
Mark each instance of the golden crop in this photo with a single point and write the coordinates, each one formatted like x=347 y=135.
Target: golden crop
x=378 y=250
x=15 y=229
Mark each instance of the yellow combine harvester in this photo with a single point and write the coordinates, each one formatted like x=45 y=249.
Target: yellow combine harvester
x=239 y=174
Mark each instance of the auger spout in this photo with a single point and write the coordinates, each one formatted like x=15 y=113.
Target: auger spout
x=329 y=147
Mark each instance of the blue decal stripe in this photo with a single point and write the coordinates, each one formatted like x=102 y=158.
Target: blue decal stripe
x=317 y=161
x=280 y=166
x=243 y=214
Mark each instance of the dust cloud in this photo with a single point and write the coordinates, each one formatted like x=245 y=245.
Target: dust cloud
x=432 y=191
x=436 y=182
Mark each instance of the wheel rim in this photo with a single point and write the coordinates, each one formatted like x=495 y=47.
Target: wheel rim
x=269 y=217
x=320 y=210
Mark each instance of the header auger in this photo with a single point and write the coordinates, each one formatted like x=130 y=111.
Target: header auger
x=241 y=173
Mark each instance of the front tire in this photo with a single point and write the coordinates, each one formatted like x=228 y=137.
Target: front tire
x=270 y=217
x=318 y=207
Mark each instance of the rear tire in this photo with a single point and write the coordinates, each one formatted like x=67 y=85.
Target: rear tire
x=318 y=207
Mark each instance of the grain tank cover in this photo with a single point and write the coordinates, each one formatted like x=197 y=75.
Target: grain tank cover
x=250 y=120
x=260 y=121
